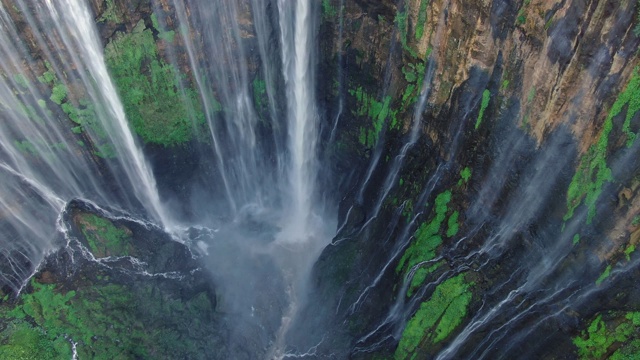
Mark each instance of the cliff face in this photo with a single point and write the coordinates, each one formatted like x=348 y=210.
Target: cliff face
x=522 y=177
x=484 y=153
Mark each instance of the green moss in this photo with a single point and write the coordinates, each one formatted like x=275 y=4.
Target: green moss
x=629 y=250
x=110 y=13
x=452 y=224
x=377 y=111
x=21 y=341
x=21 y=80
x=599 y=338
x=465 y=174
x=486 y=96
x=427 y=237
x=104 y=238
x=26 y=147
x=154 y=101
x=629 y=351
x=58 y=93
x=49 y=76
x=162 y=34
x=420 y=276
x=422 y=19
x=413 y=74
x=604 y=275
x=593 y=172
x=436 y=318
x=576 y=239
x=106 y=321
x=401 y=23
x=521 y=19
x=328 y=11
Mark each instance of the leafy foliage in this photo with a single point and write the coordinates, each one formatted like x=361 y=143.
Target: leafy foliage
x=159 y=106
x=601 y=335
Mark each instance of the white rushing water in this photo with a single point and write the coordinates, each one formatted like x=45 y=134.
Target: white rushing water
x=40 y=156
x=296 y=40
x=75 y=23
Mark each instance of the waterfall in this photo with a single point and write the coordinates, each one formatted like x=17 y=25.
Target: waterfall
x=46 y=160
x=296 y=37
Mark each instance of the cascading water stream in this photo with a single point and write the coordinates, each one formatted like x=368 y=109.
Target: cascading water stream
x=46 y=153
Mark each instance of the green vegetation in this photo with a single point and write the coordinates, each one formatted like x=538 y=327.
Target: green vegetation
x=436 y=318
x=593 y=172
x=576 y=239
x=420 y=276
x=599 y=338
x=604 y=275
x=401 y=22
x=106 y=322
x=81 y=112
x=167 y=36
x=110 y=14
x=328 y=11
x=414 y=75
x=422 y=19
x=259 y=94
x=630 y=97
x=452 y=224
x=465 y=176
x=521 y=19
x=486 y=96
x=628 y=251
x=104 y=238
x=26 y=147
x=377 y=111
x=58 y=93
x=21 y=80
x=22 y=341
x=427 y=237
x=160 y=109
